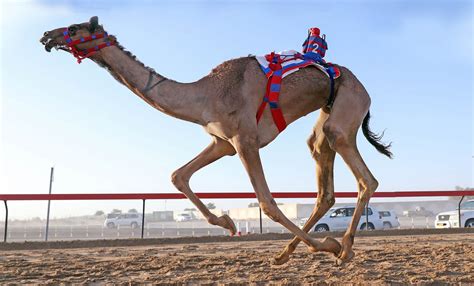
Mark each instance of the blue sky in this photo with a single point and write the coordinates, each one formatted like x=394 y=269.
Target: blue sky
x=415 y=59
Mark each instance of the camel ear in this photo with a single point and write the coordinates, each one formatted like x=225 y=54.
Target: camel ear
x=93 y=23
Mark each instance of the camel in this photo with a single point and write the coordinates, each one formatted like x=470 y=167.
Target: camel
x=225 y=103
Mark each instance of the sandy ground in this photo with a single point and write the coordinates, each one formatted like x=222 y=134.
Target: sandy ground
x=420 y=259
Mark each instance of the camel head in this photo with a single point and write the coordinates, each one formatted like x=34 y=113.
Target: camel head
x=81 y=40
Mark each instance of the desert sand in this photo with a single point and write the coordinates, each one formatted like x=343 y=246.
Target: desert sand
x=416 y=259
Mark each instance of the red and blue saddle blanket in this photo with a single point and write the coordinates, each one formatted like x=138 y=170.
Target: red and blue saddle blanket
x=276 y=66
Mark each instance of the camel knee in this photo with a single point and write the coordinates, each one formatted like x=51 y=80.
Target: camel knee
x=179 y=180
x=315 y=144
x=270 y=209
x=373 y=185
x=315 y=152
x=368 y=187
x=335 y=135
x=327 y=200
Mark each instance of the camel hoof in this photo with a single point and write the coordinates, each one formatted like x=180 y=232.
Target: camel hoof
x=345 y=257
x=226 y=222
x=281 y=259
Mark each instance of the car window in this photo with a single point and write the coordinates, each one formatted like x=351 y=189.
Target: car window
x=121 y=216
x=134 y=216
x=468 y=205
x=370 y=211
x=384 y=213
x=350 y=211
x=339 y=213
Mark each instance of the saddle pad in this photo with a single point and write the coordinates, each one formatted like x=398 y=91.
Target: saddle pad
x=290 y=66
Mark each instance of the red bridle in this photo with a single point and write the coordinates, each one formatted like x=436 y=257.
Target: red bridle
x=82 y=54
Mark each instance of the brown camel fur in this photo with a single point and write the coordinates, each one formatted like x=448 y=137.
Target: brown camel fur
x=225 y=103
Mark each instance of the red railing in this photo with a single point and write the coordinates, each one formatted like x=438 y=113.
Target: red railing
x=247 y=195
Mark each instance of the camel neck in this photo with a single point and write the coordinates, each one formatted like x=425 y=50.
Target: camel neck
x=180 y=100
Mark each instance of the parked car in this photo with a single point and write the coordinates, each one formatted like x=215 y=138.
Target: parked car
x=389 y=219
x=418 y=212
x=339 y=219
x=133 y=220
x=451 y=219
x=184 y=217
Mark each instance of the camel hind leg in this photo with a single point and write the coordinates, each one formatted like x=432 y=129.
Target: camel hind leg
x=247 y=147
x=180 y=178
x=324 y=157
x=350 y=107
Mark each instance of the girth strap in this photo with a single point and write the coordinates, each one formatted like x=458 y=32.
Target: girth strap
x=272 y=93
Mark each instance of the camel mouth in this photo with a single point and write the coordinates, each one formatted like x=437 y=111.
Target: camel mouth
x=50 y=43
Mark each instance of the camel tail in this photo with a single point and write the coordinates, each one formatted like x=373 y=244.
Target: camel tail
x=374 y=139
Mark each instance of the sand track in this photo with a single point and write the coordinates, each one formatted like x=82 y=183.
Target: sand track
x=426 y=259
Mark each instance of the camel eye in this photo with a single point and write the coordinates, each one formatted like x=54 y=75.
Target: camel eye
x=72 y=29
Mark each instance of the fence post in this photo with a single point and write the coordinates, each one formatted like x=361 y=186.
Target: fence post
x=143 y=217
x=367 y=216
x=260 y=213
x=6 y=222
x=459 y=211
x=49 y=203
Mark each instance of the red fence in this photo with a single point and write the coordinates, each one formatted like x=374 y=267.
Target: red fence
x=247 y=195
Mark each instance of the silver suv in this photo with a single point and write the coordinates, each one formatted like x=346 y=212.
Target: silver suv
x=390 y=219
x=451 y=218
x=339 y=219
x=133 y=220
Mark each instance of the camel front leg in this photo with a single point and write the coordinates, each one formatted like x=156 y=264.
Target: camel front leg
x=180 y=178
x=248 y=150
x=324 y=157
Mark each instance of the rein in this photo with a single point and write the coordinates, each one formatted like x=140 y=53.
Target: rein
x=83 y=54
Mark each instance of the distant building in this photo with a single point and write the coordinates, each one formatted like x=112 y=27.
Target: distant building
x=291 y=211
x=162 y=215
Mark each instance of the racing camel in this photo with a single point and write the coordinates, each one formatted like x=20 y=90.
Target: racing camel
x=225 y=103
